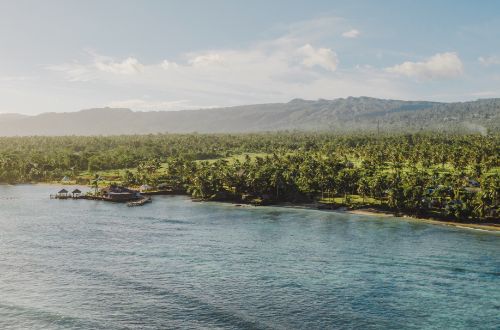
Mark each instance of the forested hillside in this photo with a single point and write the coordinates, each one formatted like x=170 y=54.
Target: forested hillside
x=340 y=115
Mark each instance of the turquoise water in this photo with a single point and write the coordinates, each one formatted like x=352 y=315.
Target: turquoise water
x=179 y=264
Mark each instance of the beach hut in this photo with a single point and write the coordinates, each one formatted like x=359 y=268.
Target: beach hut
x=145 y=187
x=76 y=193
x=62 y=193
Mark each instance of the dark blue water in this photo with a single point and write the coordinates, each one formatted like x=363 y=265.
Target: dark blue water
x=179 y=264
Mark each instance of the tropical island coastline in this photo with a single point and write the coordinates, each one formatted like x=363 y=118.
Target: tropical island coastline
x=369 y=211
x=445 y=177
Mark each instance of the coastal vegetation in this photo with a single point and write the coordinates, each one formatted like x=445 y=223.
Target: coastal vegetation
x=426 y=174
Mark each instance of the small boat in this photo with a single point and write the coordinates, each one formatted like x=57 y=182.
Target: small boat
x=140 y=202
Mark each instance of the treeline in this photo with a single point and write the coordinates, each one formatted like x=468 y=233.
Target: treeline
x=430 y=175
x=308 y=176
x=32 y=159
x=452 y=175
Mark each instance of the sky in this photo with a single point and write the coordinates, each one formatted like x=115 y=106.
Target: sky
x=66 y=55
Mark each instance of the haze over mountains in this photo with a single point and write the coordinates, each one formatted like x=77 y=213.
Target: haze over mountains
x=342 y=115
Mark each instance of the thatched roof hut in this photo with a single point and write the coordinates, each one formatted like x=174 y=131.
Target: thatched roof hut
x=63 y=193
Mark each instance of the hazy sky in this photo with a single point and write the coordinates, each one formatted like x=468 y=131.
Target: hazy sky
x=170 y=55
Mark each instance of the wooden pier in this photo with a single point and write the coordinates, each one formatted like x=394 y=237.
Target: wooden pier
x=56 y=196
x=112 y=194
x=64 y=194
x=140 y=202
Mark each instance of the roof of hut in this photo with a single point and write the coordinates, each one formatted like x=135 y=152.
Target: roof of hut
x=63 y=191
x=77 y=191
x=116 y=190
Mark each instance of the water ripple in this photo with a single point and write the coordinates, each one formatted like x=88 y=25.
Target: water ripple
x=177 y=264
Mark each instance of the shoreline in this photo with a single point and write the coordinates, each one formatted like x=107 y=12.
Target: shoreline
x=487 y=226
x=490 y=227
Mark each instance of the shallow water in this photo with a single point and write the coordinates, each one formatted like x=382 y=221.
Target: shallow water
x=77 y=264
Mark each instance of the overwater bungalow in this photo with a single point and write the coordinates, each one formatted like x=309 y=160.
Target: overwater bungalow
x=63 y=193
x=76 y=193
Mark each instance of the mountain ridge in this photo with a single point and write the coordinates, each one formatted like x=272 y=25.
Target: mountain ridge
x=342 y=115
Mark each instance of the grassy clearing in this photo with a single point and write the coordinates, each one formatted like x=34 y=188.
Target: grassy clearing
x=115 y=175
x=234 y=158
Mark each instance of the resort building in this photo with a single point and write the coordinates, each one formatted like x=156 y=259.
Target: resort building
x=119 y=194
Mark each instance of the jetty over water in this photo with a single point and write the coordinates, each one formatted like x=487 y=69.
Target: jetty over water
x=140 y=202
x=113 y=193
x=64 y=194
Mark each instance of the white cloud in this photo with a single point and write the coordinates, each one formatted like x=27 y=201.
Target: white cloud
x=73 y=71
x=166 y=65
x=129 y=65
x=489 y=60
x=206 y=59
x=312 y=30
x=295 y=64
x=351 y=34
x=76 y=71
x=321 y=57
x=439 y=66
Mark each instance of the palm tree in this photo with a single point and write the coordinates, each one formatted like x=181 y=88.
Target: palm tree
x=95 y=183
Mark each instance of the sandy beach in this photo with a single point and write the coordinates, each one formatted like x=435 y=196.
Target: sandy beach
x=372 y=212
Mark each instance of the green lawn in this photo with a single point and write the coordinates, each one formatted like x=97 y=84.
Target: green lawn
x=240 y=157
x=115 y=175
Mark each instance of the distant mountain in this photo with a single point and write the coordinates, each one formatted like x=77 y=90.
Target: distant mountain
x=342 y=115
x=6 y=117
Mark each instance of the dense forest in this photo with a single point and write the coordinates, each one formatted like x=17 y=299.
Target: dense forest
x=442 y=175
